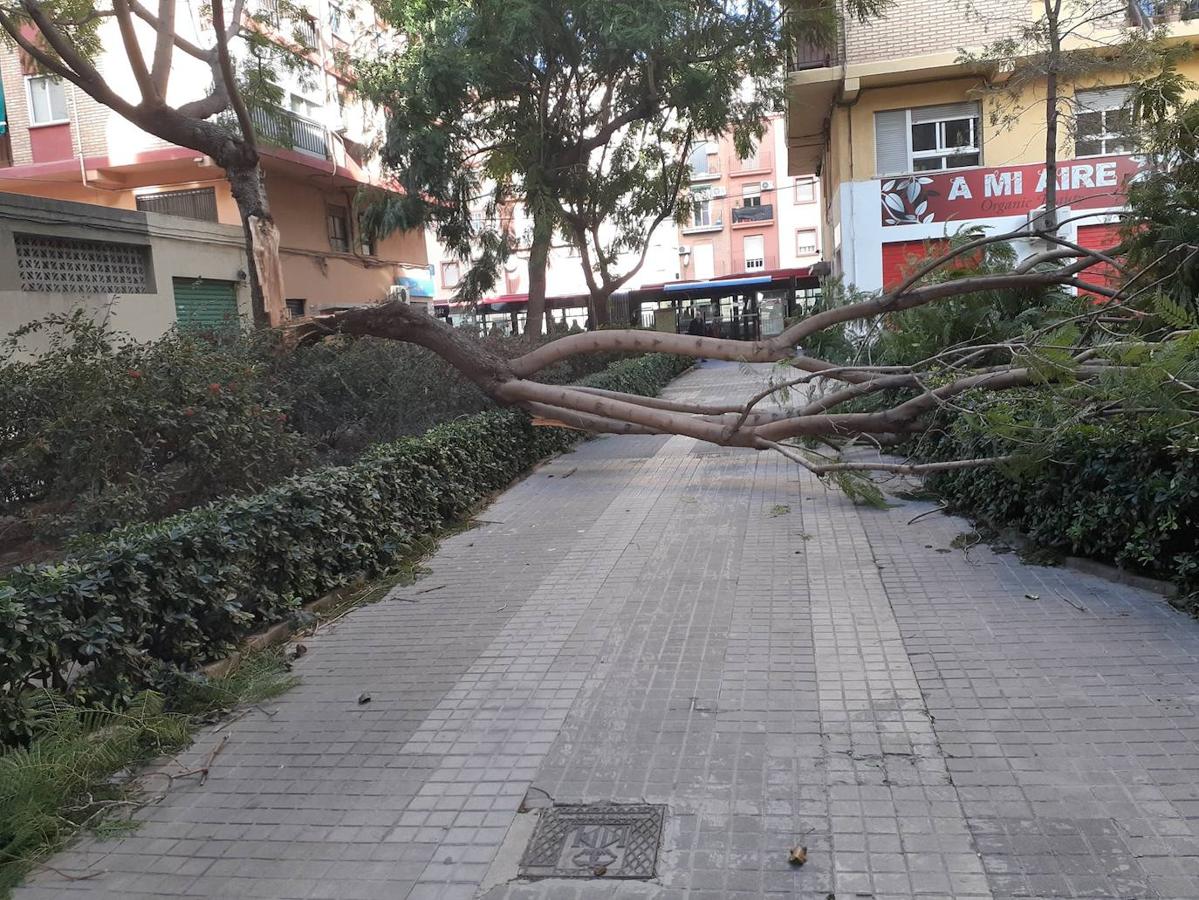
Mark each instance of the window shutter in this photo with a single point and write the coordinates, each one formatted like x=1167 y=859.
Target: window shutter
x=1108 y=98
x=945 y=111
x=891 y=142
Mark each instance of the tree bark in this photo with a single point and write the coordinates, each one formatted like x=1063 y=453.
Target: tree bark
x=245 y=183
x=600 y=313
x=1052 y=16
x=539 y=252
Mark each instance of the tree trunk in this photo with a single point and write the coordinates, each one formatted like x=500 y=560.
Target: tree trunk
x=1052 y=15
x=262 y=242
x=539 y=252
x=598 y=303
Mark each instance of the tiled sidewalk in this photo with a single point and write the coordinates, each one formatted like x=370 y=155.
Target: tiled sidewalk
x=656 y=620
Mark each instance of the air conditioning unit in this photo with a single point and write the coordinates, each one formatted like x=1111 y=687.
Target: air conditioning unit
x=399 y=292
x=718 y=192
x=1037 y=217
x=1039 y=220
x=768 y=185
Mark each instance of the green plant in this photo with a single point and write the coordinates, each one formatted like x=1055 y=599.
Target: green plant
x=103 y=432
x=1123 y=491
x=130 y=611
x=70 y=777
x=62 y=781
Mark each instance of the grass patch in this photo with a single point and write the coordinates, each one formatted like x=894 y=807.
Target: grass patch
x=73 y=776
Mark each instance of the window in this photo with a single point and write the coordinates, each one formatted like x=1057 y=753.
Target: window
x=302 y=106
x=927 y=139
x=805 y=242
x=751 y=194
x=703 y=213
x=704 y=162
x=1102 y=122
x=337 y=17
x=703 y=259
x=451 y=274
x=199 y=204
x=47 y=100
x=805 y=190
x=754 y=160
x=339 y=228
x=755 y=252
x=295 y=308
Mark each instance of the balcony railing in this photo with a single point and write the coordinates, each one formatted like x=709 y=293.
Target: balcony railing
x=808 y=56
x=763 y=213
x=299 y=27
x=287 y=129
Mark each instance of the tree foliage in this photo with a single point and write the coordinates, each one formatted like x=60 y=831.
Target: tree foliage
x=582 y=110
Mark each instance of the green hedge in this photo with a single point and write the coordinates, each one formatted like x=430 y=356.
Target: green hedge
x=1123 y=495
x=152 y=600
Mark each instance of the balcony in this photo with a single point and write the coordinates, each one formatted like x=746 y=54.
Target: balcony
x=746 y=214
x=802 y=57
x=295 y=26
x=702 y=226
x=287 y=129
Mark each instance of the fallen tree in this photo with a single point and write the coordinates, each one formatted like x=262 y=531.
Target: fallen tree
x=1086 y=344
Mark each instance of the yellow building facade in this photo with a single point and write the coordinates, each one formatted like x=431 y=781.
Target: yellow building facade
x=910 y=146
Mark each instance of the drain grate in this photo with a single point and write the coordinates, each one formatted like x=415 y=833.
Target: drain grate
x=609 y=840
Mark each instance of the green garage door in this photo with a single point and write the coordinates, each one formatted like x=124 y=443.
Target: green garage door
x=203 y=303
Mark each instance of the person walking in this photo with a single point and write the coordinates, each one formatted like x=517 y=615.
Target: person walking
x=698 y=328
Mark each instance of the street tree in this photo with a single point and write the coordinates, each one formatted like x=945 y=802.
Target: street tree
x=581 y=110
x=1082 y=337
x=65 y=38
x=1066 y=45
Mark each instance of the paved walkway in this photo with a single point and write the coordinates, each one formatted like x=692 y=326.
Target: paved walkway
x=656 y=620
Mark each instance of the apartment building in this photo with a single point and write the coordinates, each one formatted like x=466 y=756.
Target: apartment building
x=748 y=215
x=908 y=150
x=316 y=153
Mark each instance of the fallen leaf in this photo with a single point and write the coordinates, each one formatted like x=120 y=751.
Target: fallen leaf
x=600 y=871
x=364 y=698
x=798 y=856
x=1032 y=596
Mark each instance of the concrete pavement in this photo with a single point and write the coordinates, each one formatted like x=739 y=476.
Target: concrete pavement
x=657 y=621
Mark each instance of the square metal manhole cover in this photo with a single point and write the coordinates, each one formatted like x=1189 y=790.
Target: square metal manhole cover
x=609 y=840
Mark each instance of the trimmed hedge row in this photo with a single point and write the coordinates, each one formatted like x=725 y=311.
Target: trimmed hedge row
x=151 y=601
x=1123 y=496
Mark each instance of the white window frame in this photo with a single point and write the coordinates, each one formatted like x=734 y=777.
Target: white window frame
x=703 y=199
x=1106 y=136
x=46 y=79
x=810 y=184
x=759 y=263
x=943 y=152
x=751 y=194
x=710 y=170
x=445 y=271
x=815 y=245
